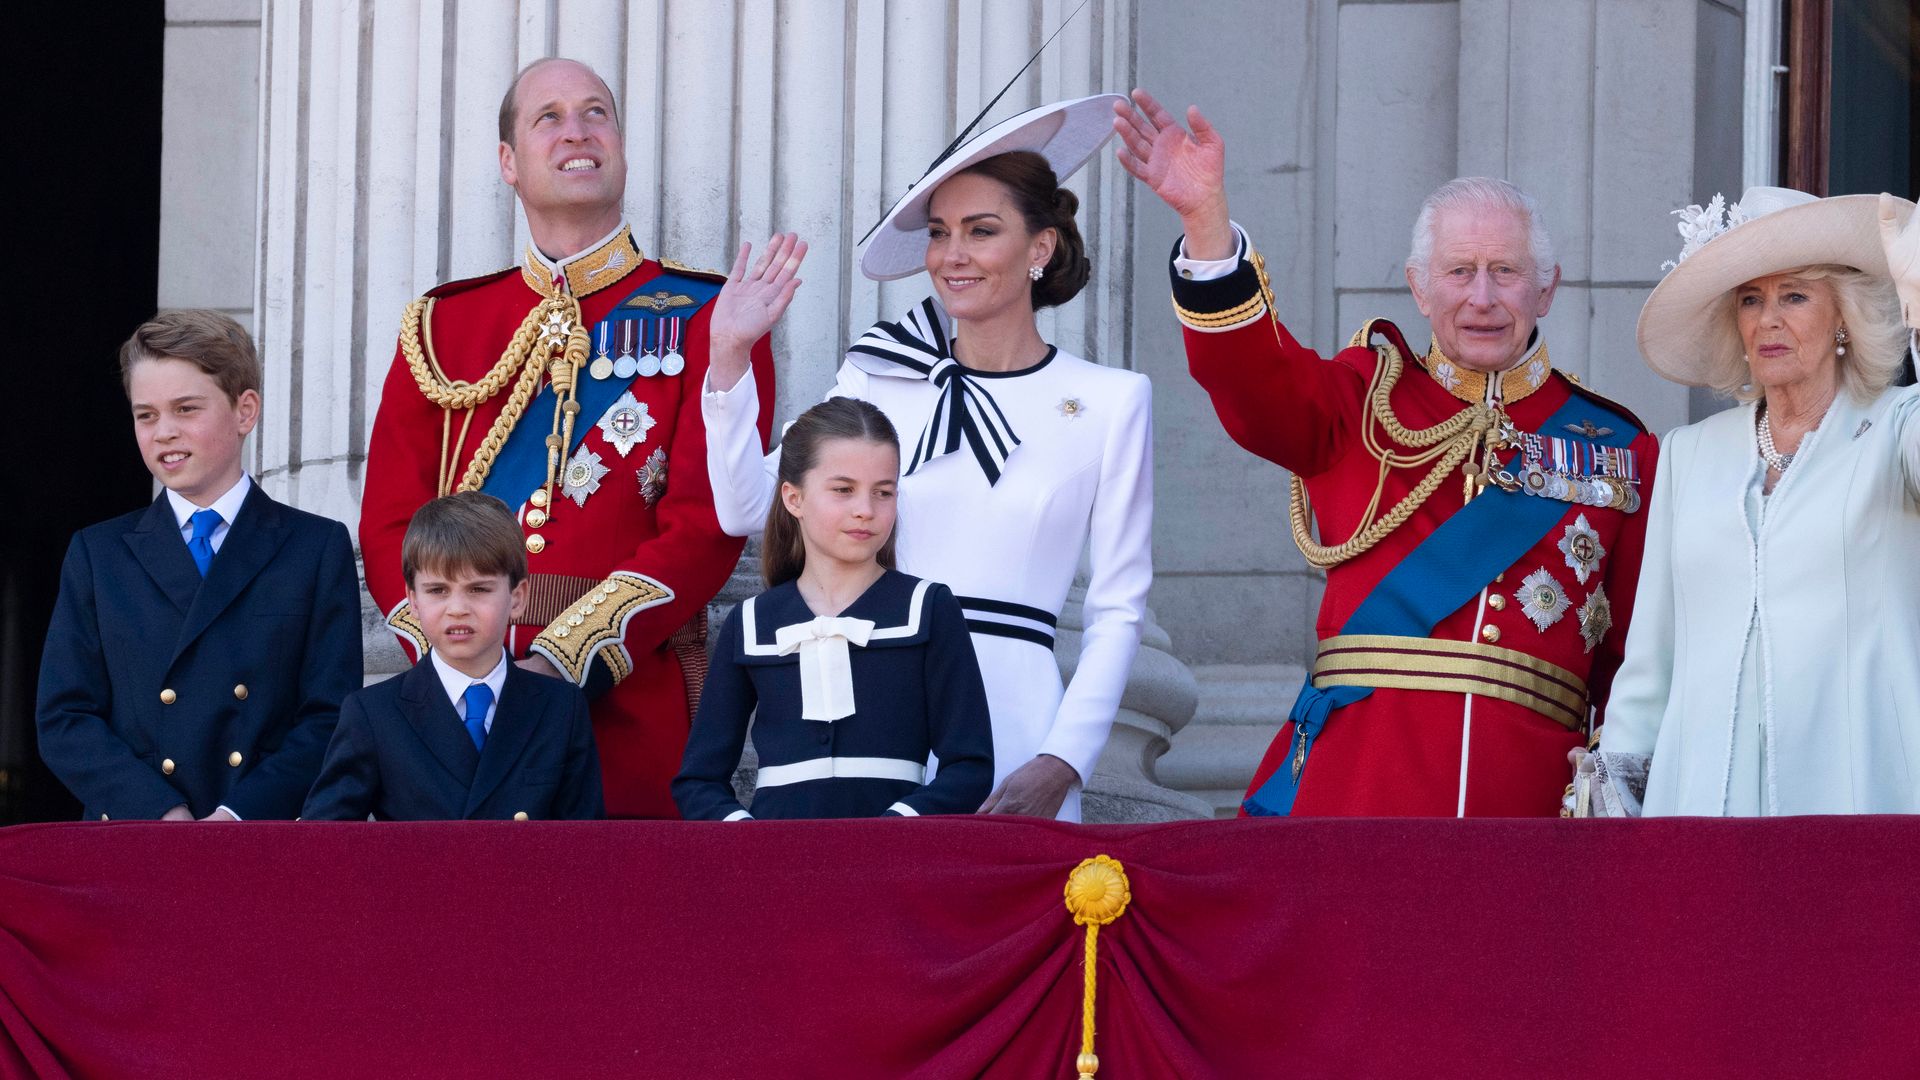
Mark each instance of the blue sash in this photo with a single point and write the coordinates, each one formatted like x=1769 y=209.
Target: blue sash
x=521 y=465
x=1434 y=580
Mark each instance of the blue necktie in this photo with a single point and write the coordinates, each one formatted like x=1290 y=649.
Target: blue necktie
x=478 y=699
x=200 y=544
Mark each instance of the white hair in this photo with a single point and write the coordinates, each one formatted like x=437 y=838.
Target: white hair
x=1482 y=193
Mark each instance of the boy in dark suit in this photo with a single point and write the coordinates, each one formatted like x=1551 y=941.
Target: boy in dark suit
x=201 y=647
x=464 y=734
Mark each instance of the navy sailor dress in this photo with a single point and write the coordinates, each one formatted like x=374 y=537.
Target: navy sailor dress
x=916 y=691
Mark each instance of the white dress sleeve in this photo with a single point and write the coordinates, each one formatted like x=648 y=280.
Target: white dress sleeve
x=741 y=472
x=1121 y=546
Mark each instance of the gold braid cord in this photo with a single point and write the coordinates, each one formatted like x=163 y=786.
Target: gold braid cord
x=1097 y=893
x=519 y=357
x=1447 y=445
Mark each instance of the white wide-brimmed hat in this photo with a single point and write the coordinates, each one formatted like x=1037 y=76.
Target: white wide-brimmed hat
x=1769 y=231
x=1066 y=133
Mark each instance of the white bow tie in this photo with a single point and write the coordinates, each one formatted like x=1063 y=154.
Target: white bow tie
x=826 y=668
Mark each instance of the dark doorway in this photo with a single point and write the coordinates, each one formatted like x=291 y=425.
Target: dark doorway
x=1850 y=122
x=86 y=157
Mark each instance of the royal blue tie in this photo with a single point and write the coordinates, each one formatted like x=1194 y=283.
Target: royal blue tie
x=200 y=544
x=478 y=699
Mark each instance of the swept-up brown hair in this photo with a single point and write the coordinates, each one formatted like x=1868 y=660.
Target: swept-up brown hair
x=208 y=340
x=783 y=552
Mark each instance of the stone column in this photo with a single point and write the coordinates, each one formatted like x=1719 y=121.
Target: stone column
x=376 y=134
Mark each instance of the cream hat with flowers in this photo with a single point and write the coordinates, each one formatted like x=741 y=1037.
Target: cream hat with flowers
x=1769 y=231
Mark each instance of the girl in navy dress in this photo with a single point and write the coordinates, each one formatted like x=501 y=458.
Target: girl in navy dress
x=852 y=672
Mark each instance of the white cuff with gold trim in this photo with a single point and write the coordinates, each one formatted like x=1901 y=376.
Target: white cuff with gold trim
x=595 y=624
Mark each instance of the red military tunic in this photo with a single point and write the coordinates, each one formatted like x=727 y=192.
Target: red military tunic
x=1424 y=751
x=615 y=578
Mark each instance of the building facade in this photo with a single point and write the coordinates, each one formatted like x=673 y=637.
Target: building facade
x=327 y=160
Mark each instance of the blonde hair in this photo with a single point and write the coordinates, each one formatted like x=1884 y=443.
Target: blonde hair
x=1870 y=312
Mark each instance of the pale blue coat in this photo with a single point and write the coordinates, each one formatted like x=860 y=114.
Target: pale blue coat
x=1826 y=597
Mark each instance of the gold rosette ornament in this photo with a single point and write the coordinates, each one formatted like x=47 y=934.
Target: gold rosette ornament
x=1097 y=893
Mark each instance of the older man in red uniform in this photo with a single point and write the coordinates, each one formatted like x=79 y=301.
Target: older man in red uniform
x=568 y=386
x=1478 y=510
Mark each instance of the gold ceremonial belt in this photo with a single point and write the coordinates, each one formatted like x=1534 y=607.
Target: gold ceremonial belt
x=1460 y=667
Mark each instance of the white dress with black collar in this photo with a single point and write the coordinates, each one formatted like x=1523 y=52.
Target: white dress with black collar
x=1080 y=479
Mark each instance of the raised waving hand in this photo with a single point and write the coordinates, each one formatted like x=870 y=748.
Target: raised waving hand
x=750 y=303
x=1186 y=169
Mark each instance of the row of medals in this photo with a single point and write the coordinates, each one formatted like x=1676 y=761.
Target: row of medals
x=1598 y=491
x=649 y=362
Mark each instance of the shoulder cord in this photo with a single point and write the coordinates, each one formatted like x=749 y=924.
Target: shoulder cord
x=417 y=348
x=1447 y=444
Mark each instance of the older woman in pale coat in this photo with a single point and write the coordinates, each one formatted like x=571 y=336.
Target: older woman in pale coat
x=1773 y=663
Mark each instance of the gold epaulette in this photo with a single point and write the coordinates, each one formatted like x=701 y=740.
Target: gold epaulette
x=693 y=271
x=594 y=625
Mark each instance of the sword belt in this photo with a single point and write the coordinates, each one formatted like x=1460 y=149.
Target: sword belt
x=1460 y=667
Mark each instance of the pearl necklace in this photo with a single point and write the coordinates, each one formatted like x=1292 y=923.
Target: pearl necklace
x=1775 y=459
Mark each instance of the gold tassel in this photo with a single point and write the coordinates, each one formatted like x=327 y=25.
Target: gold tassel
x=1097 y=893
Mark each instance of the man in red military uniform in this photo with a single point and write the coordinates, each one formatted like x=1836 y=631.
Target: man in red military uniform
x=569 y=387
x=1478 y=510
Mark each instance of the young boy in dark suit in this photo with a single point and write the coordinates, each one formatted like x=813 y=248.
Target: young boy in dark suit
x=201 y=647
x=464 y=734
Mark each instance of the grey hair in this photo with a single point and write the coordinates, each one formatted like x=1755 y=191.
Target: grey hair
x=1870 y=312
x=1482 y=192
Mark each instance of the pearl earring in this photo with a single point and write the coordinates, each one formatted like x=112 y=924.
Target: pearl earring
x=1840 y=339
x=1034 y=273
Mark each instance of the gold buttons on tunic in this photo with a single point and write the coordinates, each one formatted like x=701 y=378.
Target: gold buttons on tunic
x=536 y=518
x=103 y=817
x=168 y=697
x=234 y=759
x=240 y=691
x=521 y=816
x=1501 y=576
x=1497 y=602
x=539 y=497
x=536 y=544
x=166 y=767
x=1489 y=634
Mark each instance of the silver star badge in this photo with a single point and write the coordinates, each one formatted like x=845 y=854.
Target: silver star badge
x=1596 y=617
x=1542 y=599
x=626 y=424
x=555 y=330
x=583 y=475
x=1581 y=545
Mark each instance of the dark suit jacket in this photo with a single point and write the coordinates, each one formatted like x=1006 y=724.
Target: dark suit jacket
x=402 y=754
x=159 y=688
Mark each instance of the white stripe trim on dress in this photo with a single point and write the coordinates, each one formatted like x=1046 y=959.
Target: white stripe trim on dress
x=844 y=768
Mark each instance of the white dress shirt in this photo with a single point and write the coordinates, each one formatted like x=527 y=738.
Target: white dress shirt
x=456 y=683
x=227 y=506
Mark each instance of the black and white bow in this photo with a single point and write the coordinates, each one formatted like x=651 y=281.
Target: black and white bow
x=919 y=347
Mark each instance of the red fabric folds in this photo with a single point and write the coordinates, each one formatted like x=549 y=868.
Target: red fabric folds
x=941 y=947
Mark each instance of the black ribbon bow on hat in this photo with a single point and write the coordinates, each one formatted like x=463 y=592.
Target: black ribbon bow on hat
x=918 y=347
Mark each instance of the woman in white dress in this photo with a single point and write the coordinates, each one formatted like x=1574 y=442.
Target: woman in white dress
x=1021 y=455
x=1773 y=663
